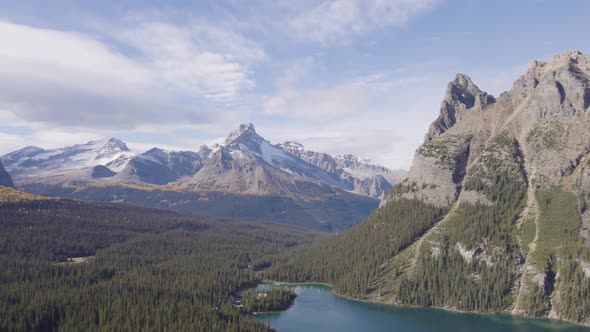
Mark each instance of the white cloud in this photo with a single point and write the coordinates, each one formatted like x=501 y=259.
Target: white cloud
x=44 y=138
x=138 y=147
x=296 y=71
x=70 y=50
x=199 y=60
x=337 y=20
x=291 y=100
x=319 y=104
x=382 y=116
x=70 y=87
x=11 y=142
x=71 y=79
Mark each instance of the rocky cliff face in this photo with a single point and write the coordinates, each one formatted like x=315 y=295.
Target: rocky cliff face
x=546 y=112
x=462 y=96
x=532 y=141
x=513 y=173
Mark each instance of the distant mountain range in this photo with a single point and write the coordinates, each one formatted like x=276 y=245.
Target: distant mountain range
x=245 y=177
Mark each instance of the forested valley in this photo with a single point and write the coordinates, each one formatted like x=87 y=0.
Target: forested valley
x=79 y=266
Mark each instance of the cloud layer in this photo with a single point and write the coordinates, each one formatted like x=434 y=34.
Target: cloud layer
x=339 y=20
x=72 y=79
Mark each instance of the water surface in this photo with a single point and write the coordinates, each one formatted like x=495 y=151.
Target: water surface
x=316 y=308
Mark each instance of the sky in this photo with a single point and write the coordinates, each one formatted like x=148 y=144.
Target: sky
x=364 y=77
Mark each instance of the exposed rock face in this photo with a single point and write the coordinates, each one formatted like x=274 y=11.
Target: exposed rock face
x=547 y=112
x=461 y=96
x=5 y=179
x=437 y=171
x=516 y=157
x=319 y=159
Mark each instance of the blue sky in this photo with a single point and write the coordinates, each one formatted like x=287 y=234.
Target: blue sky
x=343 y=76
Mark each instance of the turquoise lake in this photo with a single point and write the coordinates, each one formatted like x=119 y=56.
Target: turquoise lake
x=316 y=308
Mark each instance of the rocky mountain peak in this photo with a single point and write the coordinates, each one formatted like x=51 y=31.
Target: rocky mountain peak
x=350 y=159
x=111 y=143
x=555 y=89
x=245 y=130
x=109 y=150
x=570 y=61
x=245 y=139
x=157 y=154
x=567 y=58
x=462 y=95
x=155 y=151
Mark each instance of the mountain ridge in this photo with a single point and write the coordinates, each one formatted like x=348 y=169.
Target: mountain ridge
x=246 y=169
x=493 y=214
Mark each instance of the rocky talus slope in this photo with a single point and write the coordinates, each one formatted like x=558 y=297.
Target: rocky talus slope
x=512 y=177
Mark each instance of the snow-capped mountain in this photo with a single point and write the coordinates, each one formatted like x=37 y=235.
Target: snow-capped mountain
x=355 y=174
x=67 y=165
x=248 y=163
x=245 y=177
x=244 y=163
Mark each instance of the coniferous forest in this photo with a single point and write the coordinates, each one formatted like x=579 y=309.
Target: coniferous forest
x=78 y=266
x=350 y=261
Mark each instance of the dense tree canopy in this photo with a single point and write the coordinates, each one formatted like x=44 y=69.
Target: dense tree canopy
x=147 y=269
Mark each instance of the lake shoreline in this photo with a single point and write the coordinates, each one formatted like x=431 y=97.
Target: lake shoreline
x=507 y=313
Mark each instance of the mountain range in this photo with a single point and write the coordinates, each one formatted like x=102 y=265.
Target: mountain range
x=493 y=216
x=245 y=177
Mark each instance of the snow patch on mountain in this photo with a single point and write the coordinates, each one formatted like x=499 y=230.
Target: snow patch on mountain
x=34 y=161
x=273 y=156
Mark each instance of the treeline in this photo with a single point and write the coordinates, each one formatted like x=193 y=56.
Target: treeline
x=150 y=269
x=351 y=260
